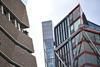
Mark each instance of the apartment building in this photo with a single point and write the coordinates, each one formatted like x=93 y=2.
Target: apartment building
x=77 y=41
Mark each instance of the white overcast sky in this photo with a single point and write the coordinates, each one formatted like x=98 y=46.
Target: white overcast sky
x=55 y=10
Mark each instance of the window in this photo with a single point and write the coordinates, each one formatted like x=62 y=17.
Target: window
x=91 y=36
x=66 y=55
x=97 y=38
x=70 y=18
x=58 y=35
x=6 y=12
x=13 y=19
x=74 y=52
x=66 y=28
x=76 y=13
x=78 y=38
x=63 y=31
x=1 y=9
x=73 y=42
x=77 y=24
x=72 y=28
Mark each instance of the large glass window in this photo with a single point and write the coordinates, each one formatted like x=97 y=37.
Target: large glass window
x=76 y=13
x=94 y=37
x=72 y=29
x=77 y=24
x=90 y=35
x=97 y=38
x=78 y=38
x=90 y=58
x=73 y=42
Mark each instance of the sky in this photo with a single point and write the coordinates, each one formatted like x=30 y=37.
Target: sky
x=55 y=10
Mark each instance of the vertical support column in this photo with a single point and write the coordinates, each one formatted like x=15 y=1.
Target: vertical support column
x=69 y=43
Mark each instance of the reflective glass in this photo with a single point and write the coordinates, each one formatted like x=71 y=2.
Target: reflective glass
x=72 y=29
x=77 y=24
x=50 y=53
x=76 y=13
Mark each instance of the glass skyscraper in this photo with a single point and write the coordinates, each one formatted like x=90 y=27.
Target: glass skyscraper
x=48 y=44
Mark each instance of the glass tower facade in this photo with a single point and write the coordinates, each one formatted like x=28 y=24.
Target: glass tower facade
x=77 y=41
x=48 y=44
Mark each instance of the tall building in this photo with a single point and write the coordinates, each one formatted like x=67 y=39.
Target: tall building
x=16 y=46
x=77 y=41
x=48 y=44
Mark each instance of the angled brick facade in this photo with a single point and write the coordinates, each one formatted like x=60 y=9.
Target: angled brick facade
x=16 y=46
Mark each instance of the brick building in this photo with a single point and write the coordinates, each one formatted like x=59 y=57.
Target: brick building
x=16 y=46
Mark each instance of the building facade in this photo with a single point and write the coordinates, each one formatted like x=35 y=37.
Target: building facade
x=16 y=46
x=48 y=44
x=77 y=41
